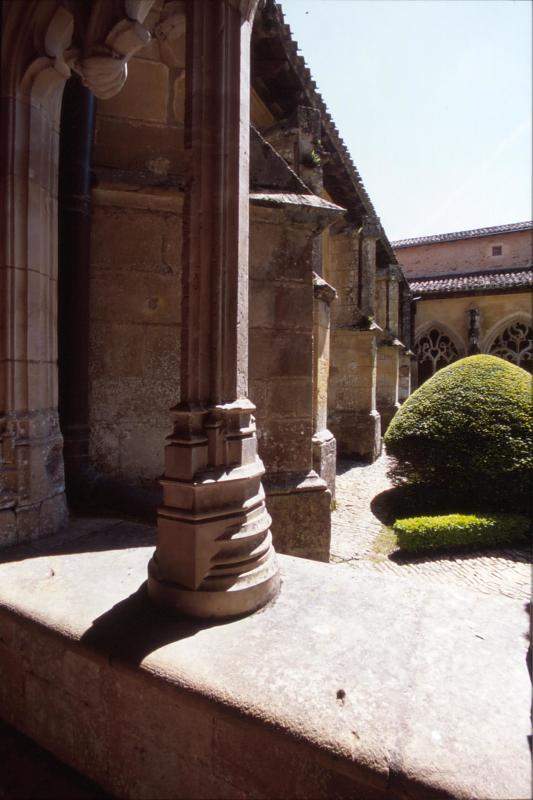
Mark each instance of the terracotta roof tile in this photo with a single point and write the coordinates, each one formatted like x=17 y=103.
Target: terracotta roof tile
x=479 y=281
x=472 y=234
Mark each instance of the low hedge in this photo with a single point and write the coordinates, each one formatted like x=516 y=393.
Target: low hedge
x=460 y=530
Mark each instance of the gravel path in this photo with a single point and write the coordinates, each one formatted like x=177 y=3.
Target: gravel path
x=356 y=534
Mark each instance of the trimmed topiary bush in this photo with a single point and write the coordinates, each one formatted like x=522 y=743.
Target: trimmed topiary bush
x=468 y=429
x=460 y=530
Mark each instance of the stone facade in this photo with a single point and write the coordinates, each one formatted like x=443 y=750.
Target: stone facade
x=503 y=246
x=473 y=295
x=88 y=420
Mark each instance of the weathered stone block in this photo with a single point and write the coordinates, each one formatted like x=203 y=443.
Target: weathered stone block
x=301 y=521
x=280 y=354
x=285 y=445
x=157 y=149
x=132 y=240
x=144 y=95
x=325 y=458
x=149 y=299
x=358 y=434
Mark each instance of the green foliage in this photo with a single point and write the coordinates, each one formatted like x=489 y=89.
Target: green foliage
x=469 y=429
x=460 y=530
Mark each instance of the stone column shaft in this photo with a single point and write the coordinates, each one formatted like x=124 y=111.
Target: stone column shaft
x=324 y=444
x=214 y=556
x=367 y=288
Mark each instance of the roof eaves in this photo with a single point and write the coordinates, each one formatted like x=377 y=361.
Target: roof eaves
x=468 y=234
x=315 y=99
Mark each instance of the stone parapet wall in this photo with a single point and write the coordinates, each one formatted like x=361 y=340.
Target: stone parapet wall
x=339 y=688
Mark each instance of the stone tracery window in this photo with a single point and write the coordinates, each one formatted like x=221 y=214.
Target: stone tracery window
x=515 y=344
x=434 y=350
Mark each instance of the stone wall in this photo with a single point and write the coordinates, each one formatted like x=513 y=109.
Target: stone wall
x=341 y=268
x=134 y=342
x=451 y=314
x=467 y=255
x=135 y=272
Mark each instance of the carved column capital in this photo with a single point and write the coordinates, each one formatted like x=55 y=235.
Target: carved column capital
x=105 y=70
x=371 y=228
x=323 y=290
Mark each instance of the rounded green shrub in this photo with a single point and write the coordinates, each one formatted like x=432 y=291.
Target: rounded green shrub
x=452 y=531
x=469 y=430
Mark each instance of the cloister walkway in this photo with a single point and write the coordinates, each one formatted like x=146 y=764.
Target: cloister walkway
x=360 y=540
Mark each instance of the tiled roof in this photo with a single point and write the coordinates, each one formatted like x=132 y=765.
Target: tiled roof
x=472 y=234
x=486 y=281
x=314 y=98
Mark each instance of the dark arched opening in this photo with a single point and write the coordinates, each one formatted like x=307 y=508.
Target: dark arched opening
x=74 y=223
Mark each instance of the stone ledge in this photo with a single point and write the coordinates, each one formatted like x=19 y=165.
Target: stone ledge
x=349 y=685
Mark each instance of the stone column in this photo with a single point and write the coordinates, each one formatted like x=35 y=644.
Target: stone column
x=367 y=285
x=406 y=355
x=324 y=444
x=389 y=349
x=352 y=414
x=214 y=555
x=282 y=350
x=412 y=328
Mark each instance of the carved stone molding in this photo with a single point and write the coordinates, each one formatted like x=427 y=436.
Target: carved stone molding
x=105 y=71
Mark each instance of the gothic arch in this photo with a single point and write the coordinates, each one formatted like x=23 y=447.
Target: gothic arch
x=436 y=346
x=512 y=339
x=37 y=60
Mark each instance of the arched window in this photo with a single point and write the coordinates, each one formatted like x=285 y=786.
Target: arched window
x=515 y=344
x=434 y=349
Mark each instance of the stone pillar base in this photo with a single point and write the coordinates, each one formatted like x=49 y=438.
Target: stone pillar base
x=358 y=434
x=222 y=596
x=26 y=523
x=325 y=458
x=214 y=555
x=300 y=507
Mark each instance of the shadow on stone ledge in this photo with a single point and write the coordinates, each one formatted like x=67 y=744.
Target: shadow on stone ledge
x=134 y=628
x=85 y=535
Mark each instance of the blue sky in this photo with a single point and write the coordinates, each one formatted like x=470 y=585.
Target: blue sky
x=433 y=99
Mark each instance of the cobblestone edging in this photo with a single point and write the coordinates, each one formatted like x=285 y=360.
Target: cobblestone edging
x=355 y=531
